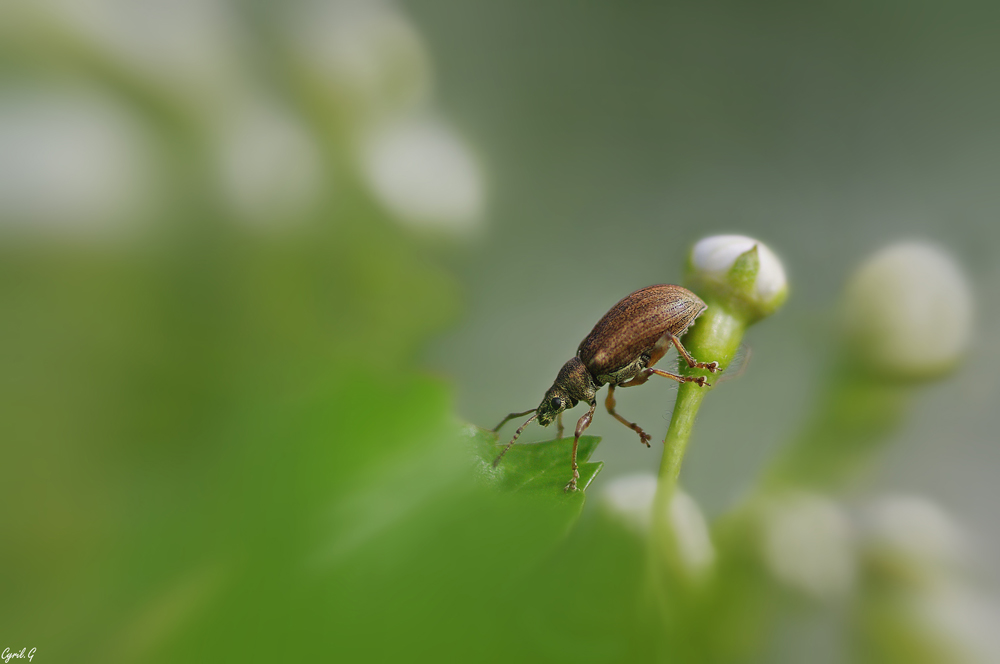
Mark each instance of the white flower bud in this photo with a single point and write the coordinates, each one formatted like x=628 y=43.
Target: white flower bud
x=741 y=271
x=808 y=543
x=693 y=541
x=916 y=530
x=269 y=168
x=189 y=47
x=364 y=53
x=71 y=163
x=630 y=499
x=425 y=175
x=908 y=311
x=959 y=621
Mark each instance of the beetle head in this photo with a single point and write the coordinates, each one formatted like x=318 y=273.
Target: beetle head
x=556 y=401
x=573 y=385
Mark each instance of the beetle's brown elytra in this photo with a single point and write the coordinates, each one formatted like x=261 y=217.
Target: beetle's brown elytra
x=620 y=352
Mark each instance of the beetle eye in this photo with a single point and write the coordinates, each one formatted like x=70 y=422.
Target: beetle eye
x=556 y=403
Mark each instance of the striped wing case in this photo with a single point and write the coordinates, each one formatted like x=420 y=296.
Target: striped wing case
x=635 y=324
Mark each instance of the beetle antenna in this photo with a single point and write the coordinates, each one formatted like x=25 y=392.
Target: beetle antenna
x=516 y=434
x=510 y=417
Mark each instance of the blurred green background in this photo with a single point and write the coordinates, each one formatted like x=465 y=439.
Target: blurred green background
x=257 y=259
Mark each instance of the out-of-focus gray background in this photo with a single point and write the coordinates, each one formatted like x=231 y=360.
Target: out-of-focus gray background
x=615 y=136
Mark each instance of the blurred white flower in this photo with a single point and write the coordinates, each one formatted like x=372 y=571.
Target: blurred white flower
x=908 y=310
x=189 y=47
x=270 y=167
x=630 y=500
x=741 y=270
x=916 y=529
x=962 y=619
x=70 y=162
x=693 y=540
x=424 y=174
x=808 y=543
x=365 y=52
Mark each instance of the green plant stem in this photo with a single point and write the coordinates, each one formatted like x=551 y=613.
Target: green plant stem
x=853 y=421
x=716 y=336
x=689 y=398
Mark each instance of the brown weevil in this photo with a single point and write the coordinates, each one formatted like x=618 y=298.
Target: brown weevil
x=620 y=352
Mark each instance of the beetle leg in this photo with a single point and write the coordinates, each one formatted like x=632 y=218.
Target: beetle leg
x=644 y=375
x=581 y=426
x=609 y=403
x=639 y=378
x=666 y=374
x=509 y=418
x=691 y=362
x=559 y=425
x=661 y=347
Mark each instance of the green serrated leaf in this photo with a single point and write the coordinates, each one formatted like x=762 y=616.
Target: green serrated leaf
x=588 y=471
x=536 y=467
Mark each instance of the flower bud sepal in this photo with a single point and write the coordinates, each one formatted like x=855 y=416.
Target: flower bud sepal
x=737 y=289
